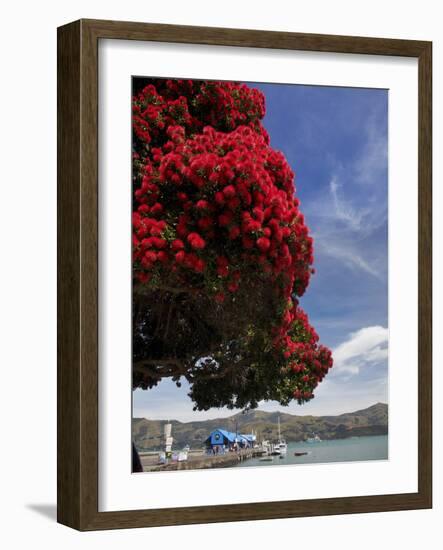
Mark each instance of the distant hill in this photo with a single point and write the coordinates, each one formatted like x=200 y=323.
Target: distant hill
x=371 y=421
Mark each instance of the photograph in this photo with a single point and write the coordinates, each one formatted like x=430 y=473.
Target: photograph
x=260 y=274
x=218 y=249
x=244 y=246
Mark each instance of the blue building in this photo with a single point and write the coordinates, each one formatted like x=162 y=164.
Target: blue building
x=220 y=441
x=250 y=439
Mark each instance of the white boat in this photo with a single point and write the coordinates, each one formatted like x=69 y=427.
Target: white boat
x=275 y=449
x=281 y=447
x=314 y=439
x=267 y=447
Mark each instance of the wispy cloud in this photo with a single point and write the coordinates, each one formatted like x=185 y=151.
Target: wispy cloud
x=344 y=211
x=336 y=141
x=364 y=348
x=354 y=208
x=371 y=165
x=350 y=258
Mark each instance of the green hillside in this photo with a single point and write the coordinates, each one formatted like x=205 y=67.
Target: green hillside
x=371 y=421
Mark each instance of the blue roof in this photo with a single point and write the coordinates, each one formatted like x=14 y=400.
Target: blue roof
x=232 y=436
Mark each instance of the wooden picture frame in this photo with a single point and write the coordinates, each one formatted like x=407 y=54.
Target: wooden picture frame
x=78 y=274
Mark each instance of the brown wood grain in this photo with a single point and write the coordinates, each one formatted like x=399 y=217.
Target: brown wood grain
x=425 y=273
x=68 y=275
x=77 y=172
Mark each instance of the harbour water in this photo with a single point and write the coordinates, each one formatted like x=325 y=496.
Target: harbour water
x=334 y=450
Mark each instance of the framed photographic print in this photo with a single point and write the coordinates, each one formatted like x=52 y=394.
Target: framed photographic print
x=244 y=275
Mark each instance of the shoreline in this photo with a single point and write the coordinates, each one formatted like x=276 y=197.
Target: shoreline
x=199 y=461
x=198 y=458
x=146 y=452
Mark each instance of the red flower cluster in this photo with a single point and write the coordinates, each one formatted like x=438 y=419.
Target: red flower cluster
x=307 y=363
x=226 y=193
x=195 y=104
x=214 y=202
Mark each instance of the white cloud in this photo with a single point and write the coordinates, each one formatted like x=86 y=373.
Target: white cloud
x=340 y=392
x=366 y=347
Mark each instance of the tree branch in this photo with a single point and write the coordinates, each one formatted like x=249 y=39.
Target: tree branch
x=170 y=367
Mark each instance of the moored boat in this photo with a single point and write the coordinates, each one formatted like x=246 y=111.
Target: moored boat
x=314 y=439
x=281 y=447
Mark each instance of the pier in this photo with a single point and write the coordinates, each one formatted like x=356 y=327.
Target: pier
x=200 y=460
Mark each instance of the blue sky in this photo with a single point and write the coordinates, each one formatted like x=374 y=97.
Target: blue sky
x=336 y=141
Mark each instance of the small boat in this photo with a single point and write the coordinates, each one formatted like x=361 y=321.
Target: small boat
x=314 y=439
x=266 y=458
x=300 y=453
x=267 y=447
x=281 y=447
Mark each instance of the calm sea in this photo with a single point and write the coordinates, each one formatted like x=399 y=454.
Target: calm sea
x=335 y=450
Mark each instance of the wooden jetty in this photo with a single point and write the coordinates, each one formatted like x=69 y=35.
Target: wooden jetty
x=202 y=461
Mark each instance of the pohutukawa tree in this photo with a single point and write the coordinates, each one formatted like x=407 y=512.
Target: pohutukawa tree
x=221 y=251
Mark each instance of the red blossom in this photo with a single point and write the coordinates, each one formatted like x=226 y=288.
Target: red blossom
x=196 y=241
x=263 y=244
x=177 y=244
x=229 y=191
x=214 y=203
